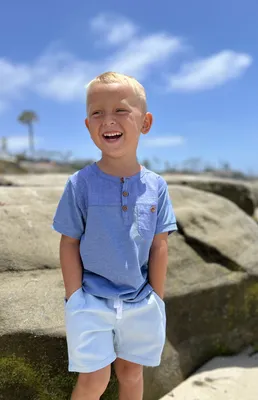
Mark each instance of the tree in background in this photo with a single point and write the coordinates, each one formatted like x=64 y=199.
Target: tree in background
x=28 y=117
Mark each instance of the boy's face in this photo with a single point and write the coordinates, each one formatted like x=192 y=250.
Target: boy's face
x=116 y=119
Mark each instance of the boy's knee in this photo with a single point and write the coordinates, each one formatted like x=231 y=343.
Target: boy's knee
x=94 y=383
x=129 y=374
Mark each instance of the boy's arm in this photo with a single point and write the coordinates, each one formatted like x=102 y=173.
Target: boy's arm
x=71 y=264
x=158 y=261
x=69 y=220
x=166 y=224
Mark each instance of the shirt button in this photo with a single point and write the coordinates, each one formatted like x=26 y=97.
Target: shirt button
x=124 y=208
x=122 y=180
x=153 y=209
x=125 y=194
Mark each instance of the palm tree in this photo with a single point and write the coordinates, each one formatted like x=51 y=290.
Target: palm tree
x=28 y=117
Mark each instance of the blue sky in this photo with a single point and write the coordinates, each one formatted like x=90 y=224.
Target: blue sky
x=197 y=60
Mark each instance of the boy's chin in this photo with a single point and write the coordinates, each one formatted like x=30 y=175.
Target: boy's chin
x=113 y=154
x=118 y=153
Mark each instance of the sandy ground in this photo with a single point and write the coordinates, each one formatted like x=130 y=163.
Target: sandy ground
x=223 y=378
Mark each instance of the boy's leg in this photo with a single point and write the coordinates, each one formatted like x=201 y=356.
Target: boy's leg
x=139 y=341
x=89 y=332
x=130 y=378
x=92 y=385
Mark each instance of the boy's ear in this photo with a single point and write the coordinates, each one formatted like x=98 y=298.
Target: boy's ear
x=86 y=123
x=147 y=123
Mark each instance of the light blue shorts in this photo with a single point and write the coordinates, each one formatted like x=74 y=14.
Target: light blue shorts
x=99 y=330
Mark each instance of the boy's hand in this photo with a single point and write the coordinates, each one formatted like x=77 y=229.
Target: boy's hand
x=158 y=263
x=161 y=295
x=71 y=264
x=69 y=292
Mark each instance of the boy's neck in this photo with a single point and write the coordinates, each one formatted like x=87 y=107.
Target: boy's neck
x=119 y=167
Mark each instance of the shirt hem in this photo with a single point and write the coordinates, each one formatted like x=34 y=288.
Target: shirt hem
x=166 y=228
x=64 y=231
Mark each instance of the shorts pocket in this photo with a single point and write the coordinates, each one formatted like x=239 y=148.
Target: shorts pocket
x=147 y=219
x=159 y=300
x=72 y=299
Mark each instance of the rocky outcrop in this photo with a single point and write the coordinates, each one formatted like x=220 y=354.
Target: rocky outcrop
x=254 y=188
x=239 y=192
x=211 y=292
x=256 y=215
x=5 y=182
x=11 y=167
x=26 y=239
x=222 y=378
x=219 y=226
x=36 y=180
x=212 y=286
x=30 y=196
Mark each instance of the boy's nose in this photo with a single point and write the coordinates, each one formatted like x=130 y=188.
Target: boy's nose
x=108 y=120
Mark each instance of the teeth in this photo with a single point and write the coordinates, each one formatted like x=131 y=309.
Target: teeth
x=112 y=134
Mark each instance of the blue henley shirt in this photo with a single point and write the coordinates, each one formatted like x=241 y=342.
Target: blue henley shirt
x=115 y=220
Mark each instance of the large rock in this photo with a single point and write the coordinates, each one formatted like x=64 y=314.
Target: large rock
x=222 y=378
x=211 y=289
x=33 y=352
x=224 y=232
x=239 y=192
x=211 y=295
x=19 y=196
x=5 y=182
x=26 y=239
x=256 y=215
x=210 y=311
x=32 y=302
x=254 y=187
x=34 y=180
x=11 y=167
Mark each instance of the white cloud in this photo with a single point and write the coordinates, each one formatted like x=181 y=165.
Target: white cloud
x=61 y=76
x=143 y=53
x=210 y=72
x=13 y=79
x=17 y=143
x=164 y=141
x=114 y=29
x=20 y=142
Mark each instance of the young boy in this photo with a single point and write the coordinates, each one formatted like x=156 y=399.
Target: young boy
x=114 y=217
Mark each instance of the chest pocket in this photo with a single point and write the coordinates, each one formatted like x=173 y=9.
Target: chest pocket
x=146 y=219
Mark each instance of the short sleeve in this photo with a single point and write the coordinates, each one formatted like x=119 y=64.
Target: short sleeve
x=166 y=220
x=68 y=219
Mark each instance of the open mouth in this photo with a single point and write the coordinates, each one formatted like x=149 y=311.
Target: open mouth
x=112 y=136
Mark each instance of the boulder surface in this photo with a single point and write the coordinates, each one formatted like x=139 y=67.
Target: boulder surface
x=211 y=292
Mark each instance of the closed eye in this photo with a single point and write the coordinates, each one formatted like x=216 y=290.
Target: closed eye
x=96 y=113
x=121 y=110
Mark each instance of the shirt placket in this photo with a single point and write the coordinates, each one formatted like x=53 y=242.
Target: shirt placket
x=124 y=201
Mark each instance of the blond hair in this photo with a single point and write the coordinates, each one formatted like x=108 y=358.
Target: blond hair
x=115 y=77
